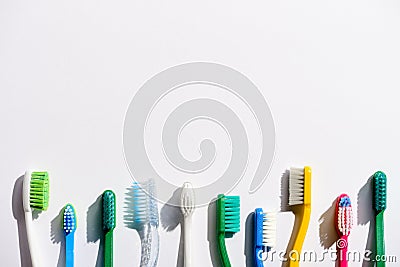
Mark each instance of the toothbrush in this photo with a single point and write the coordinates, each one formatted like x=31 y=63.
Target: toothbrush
x=35 y=197
x=228 y=223
x=300 y=205
x=187 y=208
x=344 y=223
x=145 y=220
x=379 y=197
x=108 y=225
x=264 y=234
x=69 y=226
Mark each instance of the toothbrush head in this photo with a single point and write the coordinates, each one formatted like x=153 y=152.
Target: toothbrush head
x=38 y=189
x=187 y=199
x=300 y=186
x=264 y=229
x=108 y=210
x=343 y=215
x=144 y=206
x=228 y=215
x=379 y=187
x=69 y=222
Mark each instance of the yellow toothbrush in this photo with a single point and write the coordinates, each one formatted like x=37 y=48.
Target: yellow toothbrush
x=300 y=205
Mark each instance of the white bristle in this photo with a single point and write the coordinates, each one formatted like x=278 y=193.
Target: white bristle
x=269 y=229
x=69 y=220
x=187 y=200
x=296 y=186
x=345 y=220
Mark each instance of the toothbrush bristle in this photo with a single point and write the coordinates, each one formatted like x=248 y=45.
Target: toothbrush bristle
x=108 y=210
x=296 y=186
x=69 y=222
x=39 y=190
x=379 y=191
x=344 y=215
x=144 y=205
x=269 y=229
x=232 y=214
x=187 y=200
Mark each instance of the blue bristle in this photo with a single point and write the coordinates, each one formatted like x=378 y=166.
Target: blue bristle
x=143 y=205
x=69 y=222
x=345 y=202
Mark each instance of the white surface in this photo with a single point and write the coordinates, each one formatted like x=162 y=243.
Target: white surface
x=68 y=70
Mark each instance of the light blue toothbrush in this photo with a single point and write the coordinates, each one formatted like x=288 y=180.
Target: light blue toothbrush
x=69 y=226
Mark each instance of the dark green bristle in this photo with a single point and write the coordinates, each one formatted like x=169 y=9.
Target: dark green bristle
x=379 y=183
x=108 y=210
x=39 y=190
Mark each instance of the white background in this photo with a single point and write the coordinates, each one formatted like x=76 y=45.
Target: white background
x=68 y=70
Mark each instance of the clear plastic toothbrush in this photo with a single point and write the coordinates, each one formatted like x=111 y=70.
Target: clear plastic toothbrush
x=187 y=208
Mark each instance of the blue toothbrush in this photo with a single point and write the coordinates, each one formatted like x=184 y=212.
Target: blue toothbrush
x=264 y=234
x=69 y=226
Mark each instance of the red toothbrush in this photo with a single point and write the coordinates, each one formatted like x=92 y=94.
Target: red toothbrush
x=343 y=225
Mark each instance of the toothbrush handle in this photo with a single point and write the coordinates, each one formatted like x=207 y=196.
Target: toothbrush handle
x=187 y=241
x=341 y=246
x=150 y=246
x=108 y=249
x=69 y=250
x=301 y=222
x=257 y=253
x=380 y=242
x=223 y=254
x=30 y=239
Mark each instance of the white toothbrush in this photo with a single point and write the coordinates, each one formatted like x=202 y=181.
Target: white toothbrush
x=35 y=197
x=187 y=208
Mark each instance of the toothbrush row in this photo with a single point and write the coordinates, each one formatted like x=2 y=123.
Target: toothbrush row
x=344 y=220
x=108 y=224
x=143 y=217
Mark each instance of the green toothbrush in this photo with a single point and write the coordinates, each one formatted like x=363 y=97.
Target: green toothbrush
x=228 y=223
x=379 y=196
x=108 y=226
x=35 y=197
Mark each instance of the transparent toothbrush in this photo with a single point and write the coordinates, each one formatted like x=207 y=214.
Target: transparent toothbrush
x=187 y=208
x=144 y=219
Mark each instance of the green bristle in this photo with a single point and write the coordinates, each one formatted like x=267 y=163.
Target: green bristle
x=232 y=214
x=39 y=190
x=108 y=210
x=379 y=191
